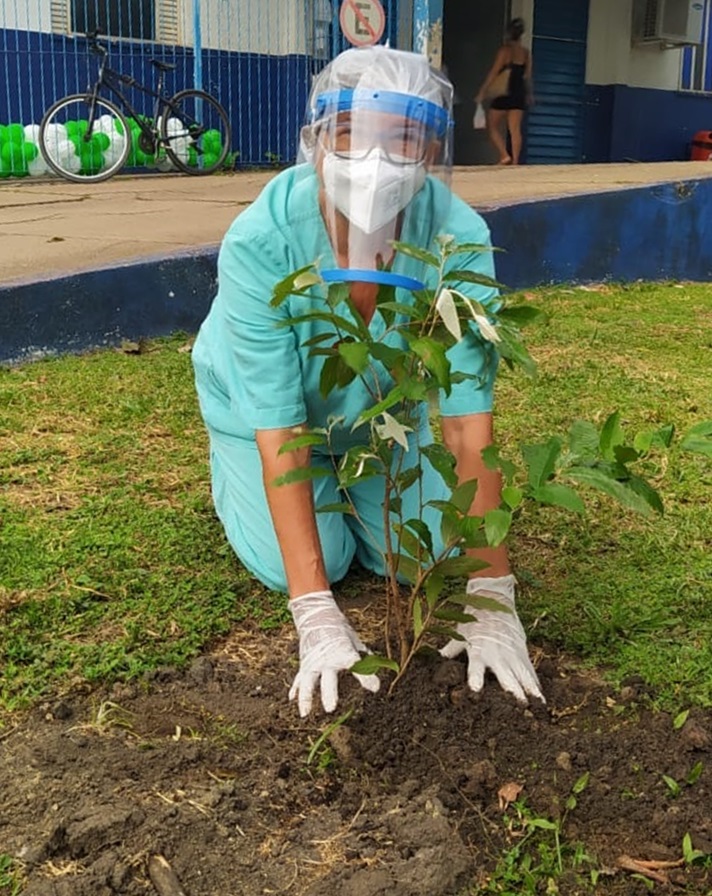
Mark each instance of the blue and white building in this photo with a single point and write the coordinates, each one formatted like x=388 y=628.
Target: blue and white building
x=614 y=79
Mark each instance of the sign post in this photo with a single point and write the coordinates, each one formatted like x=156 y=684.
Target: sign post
x=362 y=21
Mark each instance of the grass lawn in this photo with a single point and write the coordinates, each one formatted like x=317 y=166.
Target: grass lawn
x=112 y=561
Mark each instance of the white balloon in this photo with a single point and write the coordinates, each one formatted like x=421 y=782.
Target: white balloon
x=176 y=128
x=37 y=167
x=55 y=131
x=32 y=133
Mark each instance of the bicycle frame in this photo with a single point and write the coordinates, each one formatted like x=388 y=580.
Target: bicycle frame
x=109 y=79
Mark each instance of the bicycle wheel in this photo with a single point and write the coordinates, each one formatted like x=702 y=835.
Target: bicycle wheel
x=195 y=132
x=81 y=150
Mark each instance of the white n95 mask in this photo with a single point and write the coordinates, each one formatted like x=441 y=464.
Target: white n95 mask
x=370 y=191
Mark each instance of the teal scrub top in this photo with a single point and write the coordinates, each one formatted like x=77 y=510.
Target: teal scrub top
x=253 y=375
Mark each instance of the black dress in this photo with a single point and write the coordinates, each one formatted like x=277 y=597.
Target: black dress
x=516 y=96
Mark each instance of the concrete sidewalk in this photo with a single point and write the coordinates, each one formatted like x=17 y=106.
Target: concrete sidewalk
x=53 y=227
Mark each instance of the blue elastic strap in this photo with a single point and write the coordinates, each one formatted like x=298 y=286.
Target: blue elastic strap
x=412 y=107
x=386 y=278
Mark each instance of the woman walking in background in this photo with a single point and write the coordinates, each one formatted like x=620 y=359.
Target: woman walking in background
x=508 y=87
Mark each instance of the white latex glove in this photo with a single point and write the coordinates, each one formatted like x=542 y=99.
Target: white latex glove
x=496 y=641
x=327 y=645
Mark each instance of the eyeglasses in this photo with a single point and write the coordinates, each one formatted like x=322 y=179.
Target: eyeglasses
x=404 y=144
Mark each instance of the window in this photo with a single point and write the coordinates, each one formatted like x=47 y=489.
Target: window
x=134 y=19
x=696 y=67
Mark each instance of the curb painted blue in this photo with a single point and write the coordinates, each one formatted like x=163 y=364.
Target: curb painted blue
x=91 y=309
x=657 y=232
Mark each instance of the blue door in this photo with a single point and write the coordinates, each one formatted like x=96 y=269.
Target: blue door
x=555 y=123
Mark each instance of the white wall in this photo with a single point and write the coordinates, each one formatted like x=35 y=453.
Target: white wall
x=612 y=60
x=275 y=27
x=25 y=15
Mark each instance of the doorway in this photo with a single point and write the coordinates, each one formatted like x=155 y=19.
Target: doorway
x=472 y=34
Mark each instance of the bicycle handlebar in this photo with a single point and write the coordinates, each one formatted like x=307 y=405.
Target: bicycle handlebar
x=94 y=44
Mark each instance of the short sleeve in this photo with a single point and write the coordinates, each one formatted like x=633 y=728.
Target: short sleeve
x=474 y=355
x=264 y=361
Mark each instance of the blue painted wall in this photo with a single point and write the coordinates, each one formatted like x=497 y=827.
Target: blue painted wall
x=657 y=232
x=645 y=125
x=265 y=95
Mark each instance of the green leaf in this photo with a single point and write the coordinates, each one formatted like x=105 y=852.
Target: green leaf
x=584 y=440
x=336 y=508
x=625 y=454
x=611 y=435
x=460 y=566
x=471 y=277
x=416 y=252
x=497 y=523
x=446 y=615
x=408 y=311
x=582 y=783
x=463 y=495
x=417 y=618
x=386 y=354
x=310 y=438
x=409 y=542
x=541 y=460
x=434 y=585
x=698 y=439
x=473 y=248
x=512 y=496
x=493 y=460
x=422 y=531
x=395 y=396
x=369 y=665
x=355 y=355
x=597 y=478
x=522 y=314
x=442 y=461
x=336 y=320
x=447 y=631
x=287 y=287
x=406 y=567
x=558 y=495
x=481 y=602
x=433 y=356
x=694 y=773
x=337 y=293
x=514 y=353
x=301 y=474
x=646 y=492
x=680 y=719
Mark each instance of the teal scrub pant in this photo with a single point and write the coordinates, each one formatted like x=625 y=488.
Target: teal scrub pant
x=241 y=505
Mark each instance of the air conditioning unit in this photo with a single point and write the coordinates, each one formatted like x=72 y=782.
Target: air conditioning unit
x=668 y=22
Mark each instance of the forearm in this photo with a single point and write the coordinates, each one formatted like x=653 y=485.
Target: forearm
x=293 y=515
x=465 y=437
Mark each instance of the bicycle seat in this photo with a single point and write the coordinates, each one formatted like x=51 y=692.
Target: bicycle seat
x=162 y=66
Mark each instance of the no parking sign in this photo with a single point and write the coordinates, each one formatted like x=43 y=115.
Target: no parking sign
x=362 y=21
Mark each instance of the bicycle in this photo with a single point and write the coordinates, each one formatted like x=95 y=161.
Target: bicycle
x=87 y=138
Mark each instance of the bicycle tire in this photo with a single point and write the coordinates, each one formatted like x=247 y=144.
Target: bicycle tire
x=207 y=160
x=58 y=154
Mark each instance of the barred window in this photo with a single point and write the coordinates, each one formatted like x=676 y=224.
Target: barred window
x=696 y=66
x=134 y=19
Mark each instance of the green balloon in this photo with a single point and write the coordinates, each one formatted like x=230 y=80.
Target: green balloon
x=91 y=158
x=101 y=140
x=72 y=128
x=192 y=157
x=212 y=141
x=29 y=151
x=210 y=159
x=82 y=127
x=16 y=133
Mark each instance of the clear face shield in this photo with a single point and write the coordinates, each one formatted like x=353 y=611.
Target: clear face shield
x=383 y=164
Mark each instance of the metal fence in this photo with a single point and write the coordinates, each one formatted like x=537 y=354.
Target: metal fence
x=256 y=56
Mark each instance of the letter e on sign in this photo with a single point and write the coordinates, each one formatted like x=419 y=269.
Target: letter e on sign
x=362 y=21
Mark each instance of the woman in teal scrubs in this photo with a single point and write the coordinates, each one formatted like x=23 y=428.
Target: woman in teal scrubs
x=258 y=384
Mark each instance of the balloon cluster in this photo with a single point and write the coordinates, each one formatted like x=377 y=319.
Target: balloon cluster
x=66 y=143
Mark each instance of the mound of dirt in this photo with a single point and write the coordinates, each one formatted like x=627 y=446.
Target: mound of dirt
x=415 y=794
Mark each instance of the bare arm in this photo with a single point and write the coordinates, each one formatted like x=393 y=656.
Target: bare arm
x=465 y=437
x=293 y=514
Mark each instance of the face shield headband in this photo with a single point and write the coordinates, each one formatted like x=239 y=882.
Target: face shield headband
x=419 y=110
x=433 y=118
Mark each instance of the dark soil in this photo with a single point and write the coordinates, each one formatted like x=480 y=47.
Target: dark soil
x=209 y=769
